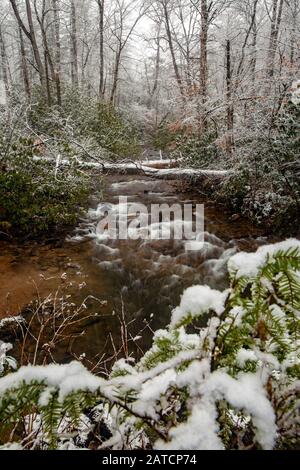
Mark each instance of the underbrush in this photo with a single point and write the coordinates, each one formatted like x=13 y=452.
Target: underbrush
x=35 y=197
x=84 y=119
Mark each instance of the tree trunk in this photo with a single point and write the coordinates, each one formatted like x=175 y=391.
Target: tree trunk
x=253 y=60
x=74 y=46
x=116 y=74
x=4 y=65
x=230 y=110
x=44 y=27
x=252 y=27
x=171 y=47
x=203 y=62
x=24 y=67
x=157 y=64
x=294 y=11
x=48 y=88
x=57 y=72
x=34 y=44
x=277 y=10
x=101 y=48
x=203 y=50
x=30 y=33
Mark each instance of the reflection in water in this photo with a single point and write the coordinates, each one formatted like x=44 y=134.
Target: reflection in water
x=147 y=277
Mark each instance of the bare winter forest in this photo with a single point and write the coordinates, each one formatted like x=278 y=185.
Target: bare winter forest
x=149 y=342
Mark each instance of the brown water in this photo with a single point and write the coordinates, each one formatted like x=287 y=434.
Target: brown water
x=147 y=277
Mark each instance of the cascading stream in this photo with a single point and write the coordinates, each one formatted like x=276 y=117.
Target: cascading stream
x=143 y=277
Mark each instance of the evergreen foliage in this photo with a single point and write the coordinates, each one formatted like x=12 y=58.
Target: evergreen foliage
x=232 y=384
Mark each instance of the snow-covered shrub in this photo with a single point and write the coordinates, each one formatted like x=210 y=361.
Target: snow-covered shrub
x=82 y=117
x=233 y=384
x=266 y=184
x=40 y=197
x=37 y=192
x=197 y=151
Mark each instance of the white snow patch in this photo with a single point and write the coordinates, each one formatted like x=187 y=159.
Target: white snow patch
x=66 y=378
x=249 y=264
x=245 y=393
x=199 y=432
x=10 y=320
x=197 y=300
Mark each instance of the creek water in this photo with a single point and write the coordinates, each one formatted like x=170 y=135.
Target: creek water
x=143 y=279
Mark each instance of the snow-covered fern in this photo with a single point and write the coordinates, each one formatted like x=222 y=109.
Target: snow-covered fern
x=232 y=384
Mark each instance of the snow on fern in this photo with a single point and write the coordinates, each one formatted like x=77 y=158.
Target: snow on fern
x=249 y=264
x=196 y=301
x=246 y=393
x=232 y=384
